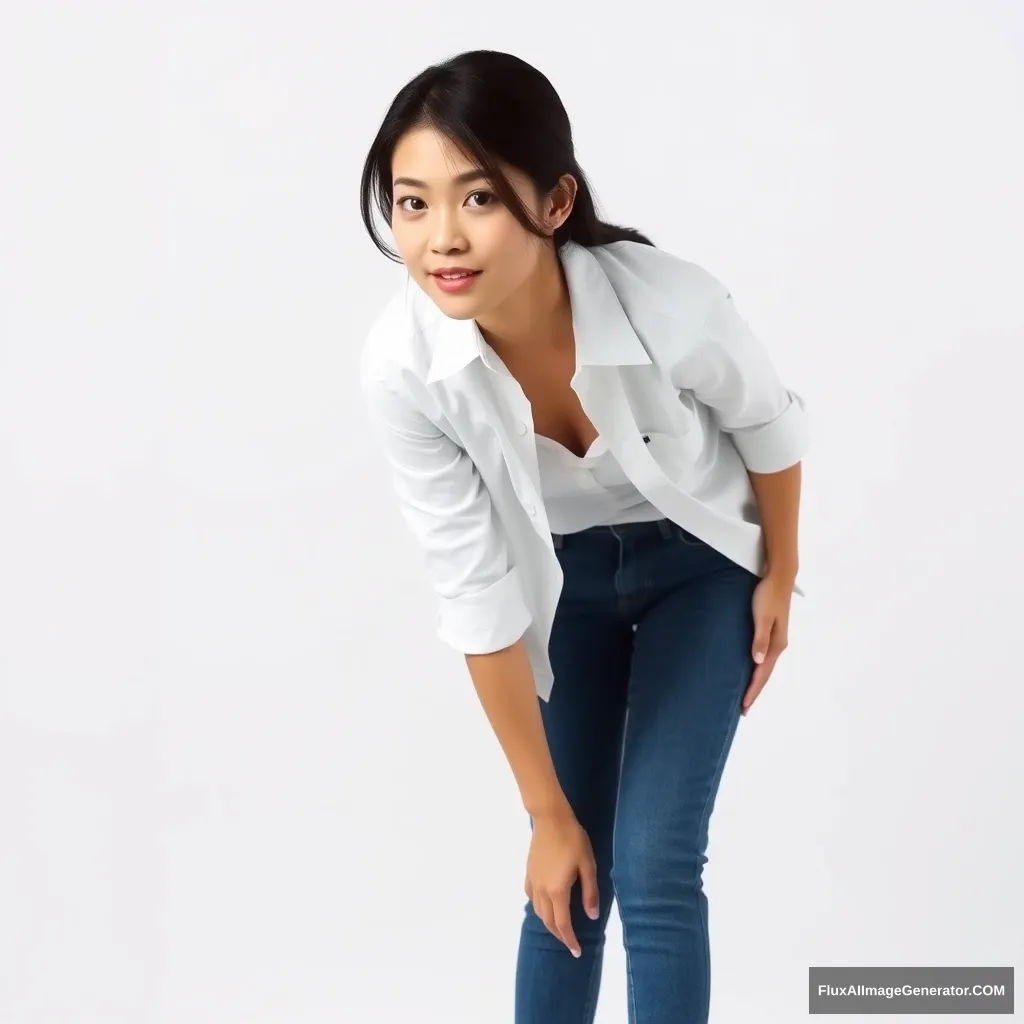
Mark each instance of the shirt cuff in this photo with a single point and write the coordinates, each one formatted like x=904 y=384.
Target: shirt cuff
x=486 y=621
x=778 y=444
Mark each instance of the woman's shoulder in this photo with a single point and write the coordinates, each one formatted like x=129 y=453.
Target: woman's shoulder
x=647 y=276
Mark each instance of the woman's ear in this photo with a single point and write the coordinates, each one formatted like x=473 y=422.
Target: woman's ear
x=560 y=201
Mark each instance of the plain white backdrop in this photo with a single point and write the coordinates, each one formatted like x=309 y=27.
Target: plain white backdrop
x=241 y=781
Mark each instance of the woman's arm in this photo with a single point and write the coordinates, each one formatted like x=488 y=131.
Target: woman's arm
x=560 y=849
x=731 y=372
x=778 y=502
x=482 y=611
x=505 y=685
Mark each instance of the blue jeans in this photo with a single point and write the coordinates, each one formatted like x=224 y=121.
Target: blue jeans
x=654 y=622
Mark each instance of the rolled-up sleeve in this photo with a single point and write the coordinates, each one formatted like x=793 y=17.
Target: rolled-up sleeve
x=732 y=373
x=481 y=604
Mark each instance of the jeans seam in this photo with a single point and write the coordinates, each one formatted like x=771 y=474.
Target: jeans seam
x=623 y=598
x=615 y=888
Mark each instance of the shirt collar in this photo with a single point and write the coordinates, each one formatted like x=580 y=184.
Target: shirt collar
x=602 y=331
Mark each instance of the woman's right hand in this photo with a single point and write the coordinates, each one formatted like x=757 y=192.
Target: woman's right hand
x=560 y=851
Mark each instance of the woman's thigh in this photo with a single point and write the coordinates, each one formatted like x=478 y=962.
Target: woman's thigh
x=590 y=651
x=691 y=665
x=584 y=719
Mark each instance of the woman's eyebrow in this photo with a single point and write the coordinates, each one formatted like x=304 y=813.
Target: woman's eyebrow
x=461 y=179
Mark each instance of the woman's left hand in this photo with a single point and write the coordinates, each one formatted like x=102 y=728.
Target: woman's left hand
x=770 y=606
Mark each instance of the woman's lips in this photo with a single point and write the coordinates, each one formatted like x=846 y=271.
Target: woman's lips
x=455 y=284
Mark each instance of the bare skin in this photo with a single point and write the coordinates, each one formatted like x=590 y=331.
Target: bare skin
x=557 y=412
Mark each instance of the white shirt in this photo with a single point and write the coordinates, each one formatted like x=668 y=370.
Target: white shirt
x=661 y=352
x=589 y=490
x=581 y=491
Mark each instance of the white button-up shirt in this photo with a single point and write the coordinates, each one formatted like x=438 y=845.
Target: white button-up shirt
x=661 y=352
x=588 y=490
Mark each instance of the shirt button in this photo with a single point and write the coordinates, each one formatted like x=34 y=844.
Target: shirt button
x=521 y=427
x=531 y=509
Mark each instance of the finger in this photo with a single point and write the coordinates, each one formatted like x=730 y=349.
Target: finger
x=542 y=908
x=758 y=680
x=588 y=884
x=762 y=639
x=563 y=919
x=750 y=696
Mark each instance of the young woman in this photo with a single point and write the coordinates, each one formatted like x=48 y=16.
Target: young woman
x=603 y=473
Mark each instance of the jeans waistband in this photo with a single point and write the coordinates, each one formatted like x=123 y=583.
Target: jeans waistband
x=664 y=527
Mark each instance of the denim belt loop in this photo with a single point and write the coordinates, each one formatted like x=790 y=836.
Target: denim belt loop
x=666 y=527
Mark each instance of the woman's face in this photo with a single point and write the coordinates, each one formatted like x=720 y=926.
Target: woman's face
x=451 y=218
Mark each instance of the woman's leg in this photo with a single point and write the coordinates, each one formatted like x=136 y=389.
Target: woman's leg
x=691 y=666
x=590 y=655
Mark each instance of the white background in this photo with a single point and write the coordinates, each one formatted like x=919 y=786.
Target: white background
x=240 y=778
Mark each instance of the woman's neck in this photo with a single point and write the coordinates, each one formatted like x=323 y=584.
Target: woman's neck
x=537 y=318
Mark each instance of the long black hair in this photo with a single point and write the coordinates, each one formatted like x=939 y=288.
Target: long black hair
x=493 y=106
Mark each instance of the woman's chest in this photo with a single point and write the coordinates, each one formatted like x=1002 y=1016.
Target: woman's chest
x=554 y=406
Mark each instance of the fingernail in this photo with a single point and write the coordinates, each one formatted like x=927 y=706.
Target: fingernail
x=592 y=913
x=576 y=953
x=759 y=657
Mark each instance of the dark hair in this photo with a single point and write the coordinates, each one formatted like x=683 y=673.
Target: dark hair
x=493 y=106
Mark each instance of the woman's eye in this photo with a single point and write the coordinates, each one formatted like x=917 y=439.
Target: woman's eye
x=488 y=201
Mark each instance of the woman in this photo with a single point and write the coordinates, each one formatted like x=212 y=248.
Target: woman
x=603 y=472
